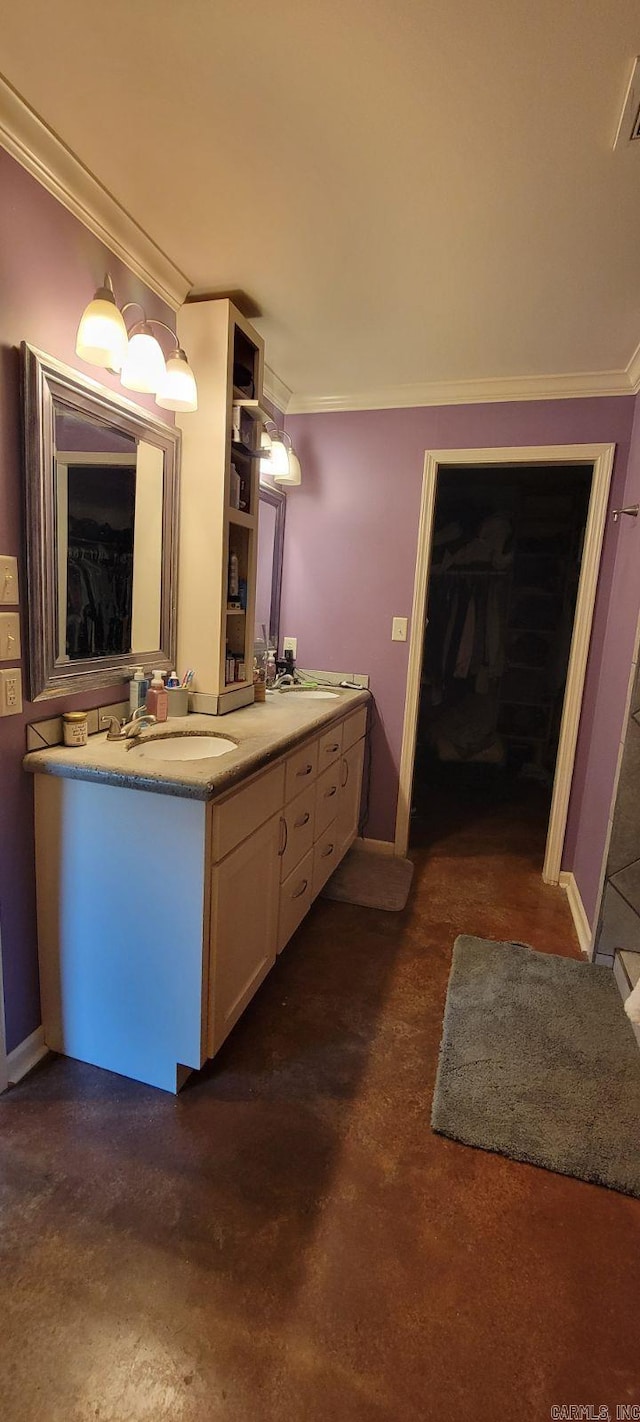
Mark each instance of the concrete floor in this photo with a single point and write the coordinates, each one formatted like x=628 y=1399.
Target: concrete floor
x=288 y=1239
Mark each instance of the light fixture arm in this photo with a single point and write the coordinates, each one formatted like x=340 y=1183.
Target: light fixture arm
x=147 y=321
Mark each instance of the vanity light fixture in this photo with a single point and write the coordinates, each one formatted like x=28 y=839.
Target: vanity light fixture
x=143 y=368
x=280 y=460
x=294 y=473
x=102 y=334
x=265 y=444
x=135 y=353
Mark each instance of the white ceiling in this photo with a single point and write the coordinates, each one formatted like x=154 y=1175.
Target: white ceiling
x=413 y=192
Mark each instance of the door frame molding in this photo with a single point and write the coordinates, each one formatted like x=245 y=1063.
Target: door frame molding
x=4 y=1062
x=600 y=457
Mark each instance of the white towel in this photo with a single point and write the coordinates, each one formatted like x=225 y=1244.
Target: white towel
x=632 y=1004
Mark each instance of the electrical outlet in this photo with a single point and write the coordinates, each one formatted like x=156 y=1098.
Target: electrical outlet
x=399 y=629
x=10 y=691
x=290 y=644
x=9 y=637
x=8 y=580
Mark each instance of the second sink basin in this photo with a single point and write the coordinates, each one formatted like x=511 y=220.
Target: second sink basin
x=308 y=695
x=190 y=747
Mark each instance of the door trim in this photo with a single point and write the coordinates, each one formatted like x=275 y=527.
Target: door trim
x=600 y=457
x=4 y=1061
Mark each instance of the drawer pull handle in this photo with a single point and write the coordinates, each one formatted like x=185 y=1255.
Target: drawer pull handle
x=283 y=836
x=326 y=852
x=306 y=770
x=333 y=791
x=302 y=820
x=299 y=892
x=330 y=749
x=346 y=773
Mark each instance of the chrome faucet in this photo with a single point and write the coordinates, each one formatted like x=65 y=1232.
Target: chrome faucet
x=128 y=730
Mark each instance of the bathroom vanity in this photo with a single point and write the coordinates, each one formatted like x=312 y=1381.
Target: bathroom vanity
x=166 y=888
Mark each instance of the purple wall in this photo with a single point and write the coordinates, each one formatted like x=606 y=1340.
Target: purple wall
x=349 y=566
x=50 y=266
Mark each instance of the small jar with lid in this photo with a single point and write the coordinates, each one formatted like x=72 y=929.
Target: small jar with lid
x=74 y=728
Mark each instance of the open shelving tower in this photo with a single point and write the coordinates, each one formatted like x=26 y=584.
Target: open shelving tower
x=216 y=628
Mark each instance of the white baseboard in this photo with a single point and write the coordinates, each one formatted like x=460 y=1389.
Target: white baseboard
x=26 y=1055
x=578 y=912
x=377 y=846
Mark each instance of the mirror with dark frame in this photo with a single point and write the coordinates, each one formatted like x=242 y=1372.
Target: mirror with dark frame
x=269 y=563
x=102 y=498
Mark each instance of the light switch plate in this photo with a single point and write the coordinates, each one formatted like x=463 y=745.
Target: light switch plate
x=9 y=637
x=399 y=629
x=8 y=580
x=290 y=644
x=10 y=691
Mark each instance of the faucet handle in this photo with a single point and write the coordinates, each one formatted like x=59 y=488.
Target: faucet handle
x=139 y=712
x=113 y=725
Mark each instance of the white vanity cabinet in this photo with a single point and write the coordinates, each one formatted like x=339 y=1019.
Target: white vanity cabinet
x=332 y=768
x=244 y=926
x=159 y=916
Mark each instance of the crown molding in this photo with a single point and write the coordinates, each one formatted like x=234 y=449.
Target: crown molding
x=633 y=371
x=38 y=149
x=275 y=390
x=474 y=392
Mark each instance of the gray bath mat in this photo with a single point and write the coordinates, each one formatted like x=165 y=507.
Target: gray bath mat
x=538 y=1061
x=377 y=881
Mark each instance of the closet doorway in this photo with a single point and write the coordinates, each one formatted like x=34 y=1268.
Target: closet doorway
x=508 y=557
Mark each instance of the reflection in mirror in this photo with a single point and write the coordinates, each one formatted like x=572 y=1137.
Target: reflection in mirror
x=109 y=493
x=102 y=499
x=269 y=563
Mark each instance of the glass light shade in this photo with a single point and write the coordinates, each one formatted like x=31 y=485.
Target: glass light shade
x=102 y=335
x=265 y=444
x=177 y=389
x=143 y=367
x=279 y=464
x=294 y=473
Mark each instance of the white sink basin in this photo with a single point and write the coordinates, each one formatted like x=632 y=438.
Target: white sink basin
x=173 y=748
x=309 y=695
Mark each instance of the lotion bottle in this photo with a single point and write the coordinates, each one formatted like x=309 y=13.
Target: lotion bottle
x=157 y=699
x=138 y=687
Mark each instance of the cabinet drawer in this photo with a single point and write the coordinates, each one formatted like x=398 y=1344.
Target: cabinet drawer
x=327 y=795
x=295 y=899
x=297 y=828
x=354 y=728
x=245 y=810
x=329 y=747
x=301 y=769
x=325 y=858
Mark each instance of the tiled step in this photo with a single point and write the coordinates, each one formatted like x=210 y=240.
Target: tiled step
x=626 y=970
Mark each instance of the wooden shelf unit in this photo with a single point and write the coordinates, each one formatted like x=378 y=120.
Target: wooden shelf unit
x=219 y=339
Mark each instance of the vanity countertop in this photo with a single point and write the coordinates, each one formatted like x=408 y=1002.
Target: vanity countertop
x=263 y=734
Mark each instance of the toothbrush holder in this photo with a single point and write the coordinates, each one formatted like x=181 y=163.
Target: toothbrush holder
x=178 y=701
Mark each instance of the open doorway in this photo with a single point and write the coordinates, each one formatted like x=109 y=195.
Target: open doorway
x=508 y=558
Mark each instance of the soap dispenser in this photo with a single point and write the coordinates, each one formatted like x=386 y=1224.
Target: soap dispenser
x=157 y=699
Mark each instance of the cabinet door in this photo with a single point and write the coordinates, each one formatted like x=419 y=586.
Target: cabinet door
x=244 y=926
x=349 y=798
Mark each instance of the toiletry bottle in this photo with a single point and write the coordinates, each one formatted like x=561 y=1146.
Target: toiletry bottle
x=157 y=699
x=233 y=577
x=270 y=667
x=138 y=687
x=172 y=680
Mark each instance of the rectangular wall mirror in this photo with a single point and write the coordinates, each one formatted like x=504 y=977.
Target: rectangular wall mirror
x=269 y=565
x=102 y=500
